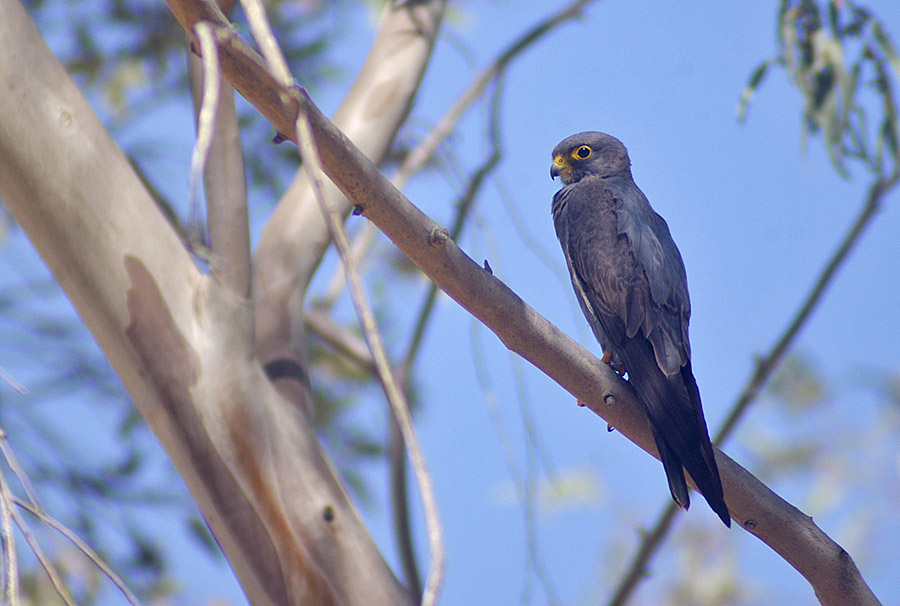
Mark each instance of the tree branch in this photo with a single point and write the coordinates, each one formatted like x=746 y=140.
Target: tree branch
x=386 y=375
x=249 y=483
x=181 y=344
x=295 y=238
x=785 y=529
x=225 y=184
x=765 y=367
x=760 y=511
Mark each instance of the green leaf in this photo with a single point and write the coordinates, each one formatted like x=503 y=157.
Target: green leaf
x=753 y=83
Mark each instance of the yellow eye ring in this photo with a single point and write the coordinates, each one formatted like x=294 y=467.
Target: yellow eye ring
x=582 y=153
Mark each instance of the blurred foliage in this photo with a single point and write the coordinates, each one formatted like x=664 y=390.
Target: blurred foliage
x=798 y=384
x=99 y=493
x=827 y=442
x=130 y=60
x=808 y=435
x=838 y=54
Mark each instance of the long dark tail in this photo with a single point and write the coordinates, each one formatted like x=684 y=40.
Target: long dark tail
x=679 y=428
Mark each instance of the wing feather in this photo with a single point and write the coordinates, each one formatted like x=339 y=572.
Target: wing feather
x=626 y=269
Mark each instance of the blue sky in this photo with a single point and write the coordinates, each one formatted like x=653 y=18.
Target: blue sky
x=755 y=213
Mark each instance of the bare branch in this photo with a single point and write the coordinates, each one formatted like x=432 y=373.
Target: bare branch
x=182 y=345
x=9 y=514
x=392 y=389
x=33 y=506
x=224 y=176
x=349 y=345
x=206 y=115
x=295 y=238
x=92 y=555
x=265 y=39
x=827 y=567
x=424 y=152
x=10 y=557
x=12 y=382
x=765 y=367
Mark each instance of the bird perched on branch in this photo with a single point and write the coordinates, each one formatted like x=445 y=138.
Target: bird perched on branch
x=630 y=282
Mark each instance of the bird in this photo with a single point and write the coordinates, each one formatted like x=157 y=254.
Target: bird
x=630 y=281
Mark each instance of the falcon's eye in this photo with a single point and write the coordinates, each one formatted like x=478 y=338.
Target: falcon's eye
x=582 y=153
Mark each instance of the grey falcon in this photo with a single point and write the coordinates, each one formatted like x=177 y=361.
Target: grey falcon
x=630 y=281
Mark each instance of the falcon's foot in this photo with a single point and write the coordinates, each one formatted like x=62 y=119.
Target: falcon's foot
x=607 y=359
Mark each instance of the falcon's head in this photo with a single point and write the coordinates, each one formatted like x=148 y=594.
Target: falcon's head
x=589 y=154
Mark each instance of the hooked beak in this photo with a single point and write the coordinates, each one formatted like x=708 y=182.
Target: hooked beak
x=560 y=167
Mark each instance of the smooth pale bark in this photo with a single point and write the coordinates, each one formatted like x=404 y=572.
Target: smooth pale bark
x=145 y=285
x=183 y=347
x=295 y=237
x=828 y=568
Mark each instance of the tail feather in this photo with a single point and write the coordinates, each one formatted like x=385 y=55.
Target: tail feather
x=679 y=428
x=712 y=483
x=674 y=470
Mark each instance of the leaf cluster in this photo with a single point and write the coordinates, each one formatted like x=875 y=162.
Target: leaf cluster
x=840 y=57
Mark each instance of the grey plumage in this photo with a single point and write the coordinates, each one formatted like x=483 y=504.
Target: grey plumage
x=630 y=282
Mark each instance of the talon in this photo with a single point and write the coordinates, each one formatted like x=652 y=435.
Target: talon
x=607 y=359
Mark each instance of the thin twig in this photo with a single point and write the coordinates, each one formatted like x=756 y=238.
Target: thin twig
x=206 y=117
x=11 y=380
x=17 y=469
x=651 y=542
x=58 y=584
x=424 y=152
x=11 y=571
x=265 y=39
x=345 y=343
x=395 y=451
x=386 y=375
x=92 y=555
x=223 y=166
x=653 y=539
x=34 y=507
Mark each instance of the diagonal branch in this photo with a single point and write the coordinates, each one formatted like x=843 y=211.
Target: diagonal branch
x=396 y=455
x=760 y=511
x=224 y=178
x=387 y=376
x=794 y=536
x=653 y=539
x=296 y=237
x=424 y=152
